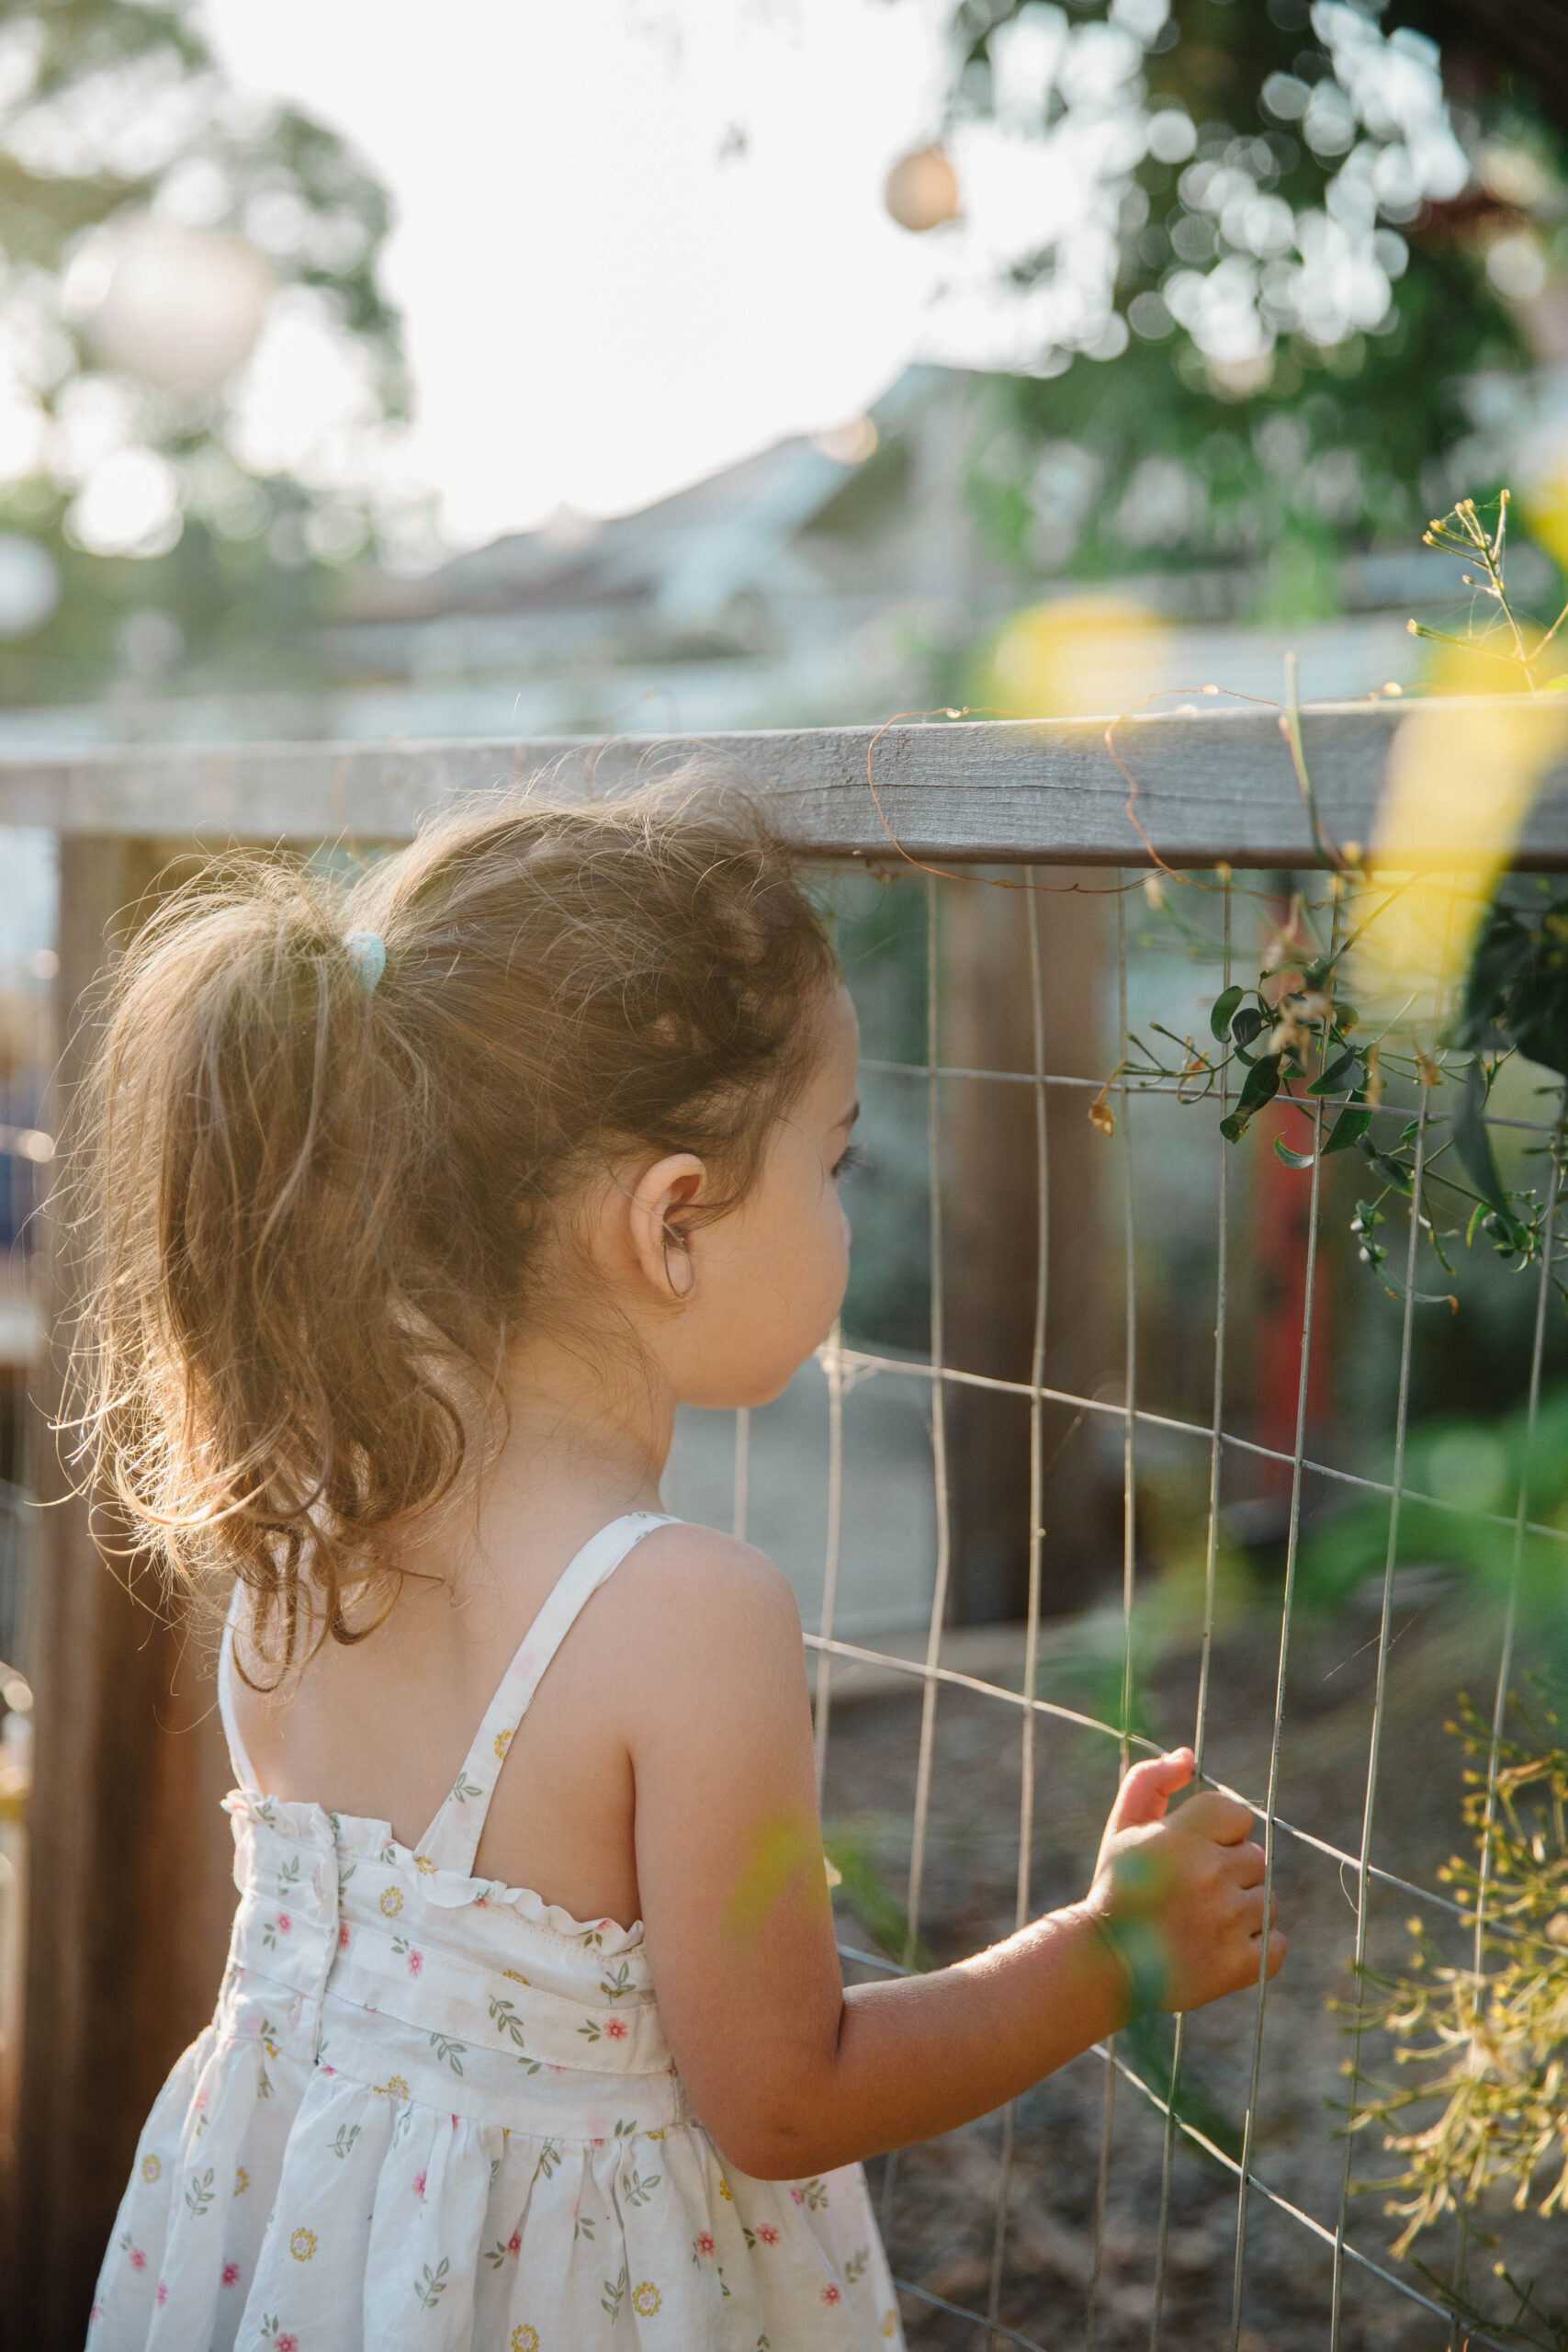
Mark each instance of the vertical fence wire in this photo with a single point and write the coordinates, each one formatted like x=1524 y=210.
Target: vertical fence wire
x=939 y=1430
x=1036 y=1538
x=1129 y=1551
x=1210 y=1561
x=939 y=1468
x=1292 y=1546
x=1380 y=1695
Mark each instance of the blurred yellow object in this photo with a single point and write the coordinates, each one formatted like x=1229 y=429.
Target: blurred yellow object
x=16 y=1782
x=922 y=190
x=1544 y=505
x=1462 y=775
x=1077 y=657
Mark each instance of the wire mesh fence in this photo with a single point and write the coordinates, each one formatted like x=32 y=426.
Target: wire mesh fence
x=992 y=1774
x=1338 y=2226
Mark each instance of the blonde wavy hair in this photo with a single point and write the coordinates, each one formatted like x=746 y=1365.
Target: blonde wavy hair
x=312 y=1215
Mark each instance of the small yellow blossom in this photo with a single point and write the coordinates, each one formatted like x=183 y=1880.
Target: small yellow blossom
x=391 y=1901
x=645 y=2300
x=302 y=2244
x=150 y=2167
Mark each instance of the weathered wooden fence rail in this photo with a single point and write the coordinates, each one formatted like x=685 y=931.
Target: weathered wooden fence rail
x=1216 y=784
x=131 y=1901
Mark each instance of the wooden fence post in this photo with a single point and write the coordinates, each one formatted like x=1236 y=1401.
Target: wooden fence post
x=991 y=1226
x=130 y=1880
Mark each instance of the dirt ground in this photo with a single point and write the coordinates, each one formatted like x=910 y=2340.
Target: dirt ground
x=940 y=2203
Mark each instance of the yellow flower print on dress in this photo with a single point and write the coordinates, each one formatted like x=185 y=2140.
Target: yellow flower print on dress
x=889 y=2324
x=502 y=1742
x=302 y=2244
x=424 y=1864
x=393 y=2087
x=724 y=2192
x=391 y=1901
x=524 y=2339
x=646 y=2298
x=150 y=2167
x=241 y=2180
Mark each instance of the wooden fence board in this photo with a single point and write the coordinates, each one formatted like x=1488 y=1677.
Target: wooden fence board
x=1214 y=785
x=130 y=1895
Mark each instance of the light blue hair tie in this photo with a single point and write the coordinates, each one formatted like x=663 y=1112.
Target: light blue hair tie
x=367 y=951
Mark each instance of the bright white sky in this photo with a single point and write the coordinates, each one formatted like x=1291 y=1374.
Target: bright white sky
x=602 y=304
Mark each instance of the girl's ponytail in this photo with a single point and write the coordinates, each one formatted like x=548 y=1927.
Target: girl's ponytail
x=325 y=1132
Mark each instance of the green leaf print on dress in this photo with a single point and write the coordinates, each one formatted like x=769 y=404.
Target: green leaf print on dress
x=433 y=2285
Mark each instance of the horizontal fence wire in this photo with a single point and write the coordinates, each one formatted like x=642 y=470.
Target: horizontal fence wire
x=846 y=1366
x=857 y=1361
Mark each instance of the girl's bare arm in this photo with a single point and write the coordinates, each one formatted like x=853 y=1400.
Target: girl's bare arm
x=789 y=2073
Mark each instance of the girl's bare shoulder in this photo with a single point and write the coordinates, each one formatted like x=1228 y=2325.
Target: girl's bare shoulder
x=690 y=1598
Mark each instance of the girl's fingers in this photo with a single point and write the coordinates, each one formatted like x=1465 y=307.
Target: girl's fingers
x=1148 y=1789
x=1224 y=1820
x=1250 y=1906
x=1251 y=1865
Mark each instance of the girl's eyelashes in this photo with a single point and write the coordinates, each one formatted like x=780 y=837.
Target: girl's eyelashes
x=849 y=1159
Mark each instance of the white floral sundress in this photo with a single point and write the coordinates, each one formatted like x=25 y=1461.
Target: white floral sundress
x=433 y=2112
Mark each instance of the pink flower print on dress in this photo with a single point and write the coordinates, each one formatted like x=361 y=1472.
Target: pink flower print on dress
x=514 y=2243
x=285 y=1924
x=286 y=2344
x=703 y=2242
x=416 y=1961
x=615 y=2028
x=831 y=2295
x=230 y=2273
x=796 y=2195
x=138 y=2260
x=163 y=2290
x=342 y=1936
x=199 y=2101
x=419 y=2185
x=768 y=2233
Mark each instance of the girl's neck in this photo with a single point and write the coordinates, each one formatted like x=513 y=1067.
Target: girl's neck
x=586 y=1438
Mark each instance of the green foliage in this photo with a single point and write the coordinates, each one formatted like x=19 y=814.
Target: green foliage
x=1295 y=1039
x=1475 y=1471
x=1160 y=458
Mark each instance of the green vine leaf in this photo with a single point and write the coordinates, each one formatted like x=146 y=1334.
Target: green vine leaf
x=1335 y=1077
x=1262 y=1085
x=1347 y=1129
x=1224 y=1005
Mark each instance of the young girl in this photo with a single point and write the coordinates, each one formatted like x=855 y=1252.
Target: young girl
x=419 y=1209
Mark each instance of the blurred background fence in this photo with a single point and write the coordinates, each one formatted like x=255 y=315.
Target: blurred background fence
x=1103 y=1457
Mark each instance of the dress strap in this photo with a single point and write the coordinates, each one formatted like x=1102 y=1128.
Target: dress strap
x=239 y=1762
x=453 y=1838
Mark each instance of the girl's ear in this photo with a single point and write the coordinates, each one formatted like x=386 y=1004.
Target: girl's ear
x=655 y=1217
